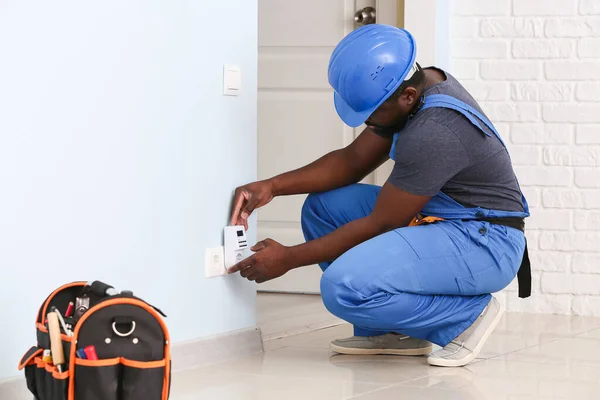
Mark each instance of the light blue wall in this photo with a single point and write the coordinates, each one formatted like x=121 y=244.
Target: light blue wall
x=119 y=155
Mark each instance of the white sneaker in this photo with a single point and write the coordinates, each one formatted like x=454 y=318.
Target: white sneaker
x=468 y=344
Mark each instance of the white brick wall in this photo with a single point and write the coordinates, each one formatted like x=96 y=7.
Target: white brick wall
x=544 y=7
x=511 y=27
x=534 y=66
x=571 y=70
x=588 y=91
x=572 y=27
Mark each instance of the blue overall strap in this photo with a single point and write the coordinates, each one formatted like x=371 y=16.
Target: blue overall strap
x=473 y=115
x=445 y=101
x=393 y=148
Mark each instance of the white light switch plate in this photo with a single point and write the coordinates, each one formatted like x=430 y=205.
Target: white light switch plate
x=214 y=261
x=232 y=80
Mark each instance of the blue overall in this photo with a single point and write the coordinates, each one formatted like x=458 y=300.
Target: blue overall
x=429 y=281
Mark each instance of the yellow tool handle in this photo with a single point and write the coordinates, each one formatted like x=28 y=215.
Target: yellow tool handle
x=58 y=355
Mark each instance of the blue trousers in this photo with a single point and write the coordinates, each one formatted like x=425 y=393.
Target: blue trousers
x=429 y=282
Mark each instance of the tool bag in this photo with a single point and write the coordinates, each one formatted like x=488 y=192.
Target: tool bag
x=130 y=338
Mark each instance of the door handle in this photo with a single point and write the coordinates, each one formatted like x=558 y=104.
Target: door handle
x=365 y=16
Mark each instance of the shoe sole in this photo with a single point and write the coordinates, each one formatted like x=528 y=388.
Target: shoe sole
x=442 y=362
x=422 y=351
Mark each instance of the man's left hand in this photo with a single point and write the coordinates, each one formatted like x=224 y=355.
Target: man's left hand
x=270 y=261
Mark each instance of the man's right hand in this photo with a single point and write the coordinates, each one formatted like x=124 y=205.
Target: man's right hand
x=248 y=198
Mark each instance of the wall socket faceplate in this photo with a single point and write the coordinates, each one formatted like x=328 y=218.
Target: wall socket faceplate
x=214 y=261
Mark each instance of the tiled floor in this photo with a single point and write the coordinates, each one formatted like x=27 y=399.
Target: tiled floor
x=281 y=315
x=528 y=357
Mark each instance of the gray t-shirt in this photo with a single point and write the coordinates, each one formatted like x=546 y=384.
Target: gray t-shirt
x=440 y=150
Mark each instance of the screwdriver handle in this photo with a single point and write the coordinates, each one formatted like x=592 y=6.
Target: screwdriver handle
x=58 y=355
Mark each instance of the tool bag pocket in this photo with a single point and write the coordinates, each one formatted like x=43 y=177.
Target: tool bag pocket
x=52 y=385
x=28 y=362
x=143 y=380
x=97 y=379
x=43 y=379
x=119 y=378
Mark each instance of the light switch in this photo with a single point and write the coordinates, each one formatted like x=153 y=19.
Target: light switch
x=232 y=80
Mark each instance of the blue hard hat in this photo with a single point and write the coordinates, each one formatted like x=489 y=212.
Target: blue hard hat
x=366 y=67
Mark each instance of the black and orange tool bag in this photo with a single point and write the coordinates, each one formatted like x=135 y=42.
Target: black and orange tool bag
x=116 y=347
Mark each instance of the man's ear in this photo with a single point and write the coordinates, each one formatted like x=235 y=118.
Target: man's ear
x=409 y=96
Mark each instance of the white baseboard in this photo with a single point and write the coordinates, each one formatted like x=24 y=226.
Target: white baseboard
x=185 y=355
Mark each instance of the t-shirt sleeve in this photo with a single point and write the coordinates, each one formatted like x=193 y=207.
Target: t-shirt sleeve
x=428 y=157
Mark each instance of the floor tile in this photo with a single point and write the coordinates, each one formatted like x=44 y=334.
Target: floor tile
x=283 y=315
x=545 y=326
x=567 y=351
x=318 y=339
x=503 y=343
x=520 y=331
x=275 y=344
x=314 y=363
x=416 y=393
x=14 y=389
x=595 y=334
x=494 y=379
x=221 y=385
x=322 y=339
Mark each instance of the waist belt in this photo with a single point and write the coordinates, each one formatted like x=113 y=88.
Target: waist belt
x=524 y=273
x=517 y=223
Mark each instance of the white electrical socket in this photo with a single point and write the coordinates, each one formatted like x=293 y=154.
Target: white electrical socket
x=214 y=261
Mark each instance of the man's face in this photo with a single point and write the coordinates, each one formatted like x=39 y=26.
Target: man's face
x=392 y=115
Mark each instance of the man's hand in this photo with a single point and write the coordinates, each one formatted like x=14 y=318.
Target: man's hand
x=271 y=260
x=248 y=198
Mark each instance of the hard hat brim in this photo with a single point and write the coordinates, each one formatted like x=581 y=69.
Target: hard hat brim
x=348 y=115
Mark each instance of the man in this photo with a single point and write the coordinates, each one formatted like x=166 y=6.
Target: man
x=415 y=261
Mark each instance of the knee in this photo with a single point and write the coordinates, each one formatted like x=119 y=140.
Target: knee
x=324 y=206
x=341 y=300
x=312 y=205
x=361 y=299
x=331 y=295
x=313 y=212
x=338 y=298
